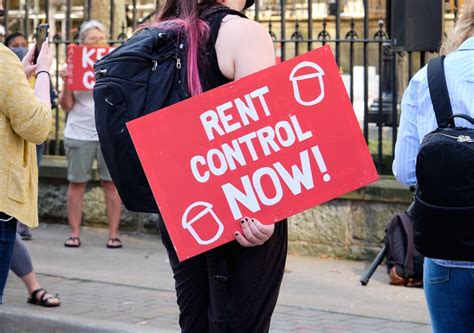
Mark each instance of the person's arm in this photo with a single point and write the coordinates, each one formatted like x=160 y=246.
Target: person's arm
x=43 y=79
x=66 y=98
x=42 y=66
x=244 y=47
x=29 y=115
x=408 y=141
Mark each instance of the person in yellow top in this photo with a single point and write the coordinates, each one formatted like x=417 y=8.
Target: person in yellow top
x=25 y=120
x=18 y=43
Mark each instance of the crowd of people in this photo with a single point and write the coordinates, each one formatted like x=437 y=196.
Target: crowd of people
x=216 y=291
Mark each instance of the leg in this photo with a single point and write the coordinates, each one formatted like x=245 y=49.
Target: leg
x=450 y=297
x=114 y=207
x=24 y=231
x=191 y=284
x=21 y=265
x=75 y=200
x=31 y=283
x=7 y=243
x=37 y=295
x=112 y=199
x=21 y=261
x=80 y=155
x=244 y=283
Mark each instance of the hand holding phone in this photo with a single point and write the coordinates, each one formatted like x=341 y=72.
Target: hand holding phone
x=41 y=37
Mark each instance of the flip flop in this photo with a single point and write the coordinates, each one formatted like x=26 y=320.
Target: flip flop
x=66 y=244
x=110 y=244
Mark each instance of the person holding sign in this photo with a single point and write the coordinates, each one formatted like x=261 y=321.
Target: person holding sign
x=234 y=287
x=82 y=147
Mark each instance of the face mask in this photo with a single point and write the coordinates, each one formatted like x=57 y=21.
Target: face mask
x=20 y=51
x=249 y=3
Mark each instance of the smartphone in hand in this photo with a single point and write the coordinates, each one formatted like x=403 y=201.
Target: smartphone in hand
x=41 y=37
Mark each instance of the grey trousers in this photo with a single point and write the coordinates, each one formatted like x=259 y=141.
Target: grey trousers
x=21 y=261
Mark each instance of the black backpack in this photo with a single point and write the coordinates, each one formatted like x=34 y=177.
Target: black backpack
x=145 y=74
x=444 y=200
x=404 y=262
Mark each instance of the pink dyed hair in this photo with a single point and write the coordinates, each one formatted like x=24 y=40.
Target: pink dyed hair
x=184 y=15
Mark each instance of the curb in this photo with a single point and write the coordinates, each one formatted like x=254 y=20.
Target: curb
x=19 y=320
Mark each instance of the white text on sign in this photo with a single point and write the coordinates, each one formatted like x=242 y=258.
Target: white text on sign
x=89 y=57
x=250 y=193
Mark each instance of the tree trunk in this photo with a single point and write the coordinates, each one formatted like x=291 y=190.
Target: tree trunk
x=101 y=11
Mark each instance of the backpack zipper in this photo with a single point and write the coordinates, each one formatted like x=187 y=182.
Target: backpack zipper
x=459 y=138
x=102 y=72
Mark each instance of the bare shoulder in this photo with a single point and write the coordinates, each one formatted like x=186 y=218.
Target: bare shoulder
x=243 y=47
x=234 y=27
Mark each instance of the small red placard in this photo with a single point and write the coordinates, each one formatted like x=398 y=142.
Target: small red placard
x=80 y=61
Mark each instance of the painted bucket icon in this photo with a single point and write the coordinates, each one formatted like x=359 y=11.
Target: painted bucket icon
x=206 y=217
x=306 y=71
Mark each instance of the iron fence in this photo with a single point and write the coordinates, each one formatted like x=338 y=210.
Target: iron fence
x=360 y=41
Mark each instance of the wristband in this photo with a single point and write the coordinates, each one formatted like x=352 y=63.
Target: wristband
x=38 y=73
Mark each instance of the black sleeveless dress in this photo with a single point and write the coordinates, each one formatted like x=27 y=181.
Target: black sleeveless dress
x=230 y=288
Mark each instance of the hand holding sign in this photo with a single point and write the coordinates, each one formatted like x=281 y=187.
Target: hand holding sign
x=64 y=73
x=254 y=233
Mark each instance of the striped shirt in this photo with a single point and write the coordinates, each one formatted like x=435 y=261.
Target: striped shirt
x=418 y=117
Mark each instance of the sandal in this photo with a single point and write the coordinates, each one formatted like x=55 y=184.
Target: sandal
x=114 y=243
x=71 y=242
x=44 y=299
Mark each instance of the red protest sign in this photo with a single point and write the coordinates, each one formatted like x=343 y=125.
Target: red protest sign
x=80 y=64
x=267 y=146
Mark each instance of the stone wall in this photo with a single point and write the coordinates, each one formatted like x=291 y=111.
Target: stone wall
x=342 y=228
x=350 y=227
x=53 y=207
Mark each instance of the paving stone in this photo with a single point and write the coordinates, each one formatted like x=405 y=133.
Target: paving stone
x=155 y=308
x=158 y=309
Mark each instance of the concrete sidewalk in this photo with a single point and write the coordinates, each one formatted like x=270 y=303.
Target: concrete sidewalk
x=131 y=290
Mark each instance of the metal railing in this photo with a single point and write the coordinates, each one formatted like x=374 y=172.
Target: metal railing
x=359 y=42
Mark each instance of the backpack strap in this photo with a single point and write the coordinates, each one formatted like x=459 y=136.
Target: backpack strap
x=439 y=91
x=408 y=228
x=209 y=72
x=214 y=17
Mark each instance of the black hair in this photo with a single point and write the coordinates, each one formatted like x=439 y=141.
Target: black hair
x=12 y=36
